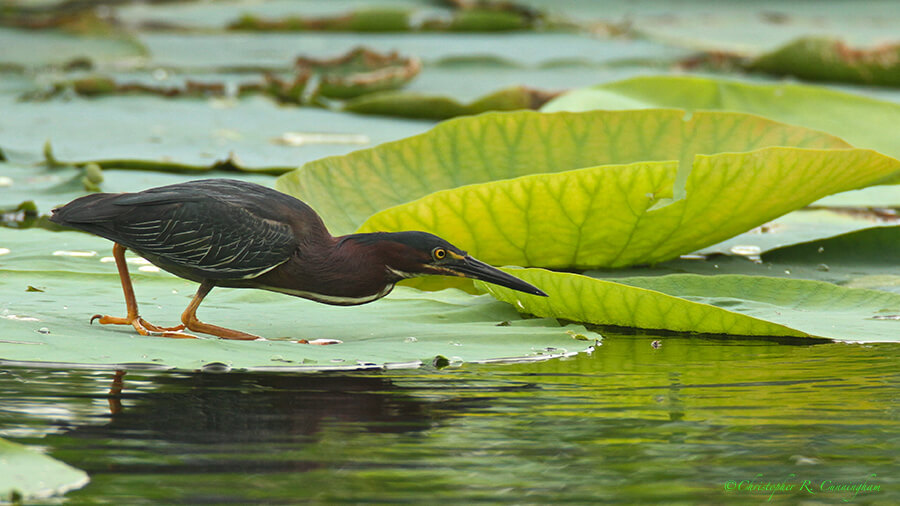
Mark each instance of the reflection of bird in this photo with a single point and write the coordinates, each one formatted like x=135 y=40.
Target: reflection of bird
x=222 y=232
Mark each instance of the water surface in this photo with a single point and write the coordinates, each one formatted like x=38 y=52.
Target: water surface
x=629 y=423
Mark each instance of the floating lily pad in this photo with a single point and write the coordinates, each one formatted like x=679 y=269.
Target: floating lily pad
x=799 y=227
x=485 y=20
x=873 y=246
x=828 y=59
x=206 y=131
x=52 y=47
x=92 y=167
x=359 y=72
x=481 y=18
x=28 y=475
x=101 y=85
x=216 y=50
x=866 y=258
x=726 y=304
x=363 y=20
x=416 y=105
x=356 y=73
x=408 y=328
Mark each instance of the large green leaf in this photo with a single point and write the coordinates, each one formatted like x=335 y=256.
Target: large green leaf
x=348 y=189
x=862 y=121
x=611 y=216
x=29 y=475
x=728 y=304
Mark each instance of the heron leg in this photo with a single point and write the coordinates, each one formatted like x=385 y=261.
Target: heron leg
x=189 y=318
x=132 y=317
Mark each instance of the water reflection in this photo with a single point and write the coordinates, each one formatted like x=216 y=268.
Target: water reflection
x=231 y=408
x=633 y=422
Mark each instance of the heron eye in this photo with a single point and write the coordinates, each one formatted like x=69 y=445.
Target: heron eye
x=439 y=253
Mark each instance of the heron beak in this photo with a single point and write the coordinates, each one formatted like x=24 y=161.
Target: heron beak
x=468 y=267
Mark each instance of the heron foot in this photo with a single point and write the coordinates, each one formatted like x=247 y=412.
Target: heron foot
x=195 y=325
x=143 y=327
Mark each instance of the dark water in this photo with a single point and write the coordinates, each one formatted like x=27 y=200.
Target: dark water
x=628 y=424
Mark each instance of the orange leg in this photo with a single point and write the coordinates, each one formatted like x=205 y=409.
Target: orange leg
x=132 y=318
x=189 y=318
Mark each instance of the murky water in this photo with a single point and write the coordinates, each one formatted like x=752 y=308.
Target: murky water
x=630 y=423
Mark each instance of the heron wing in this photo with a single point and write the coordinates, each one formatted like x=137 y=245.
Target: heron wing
x=214 y=238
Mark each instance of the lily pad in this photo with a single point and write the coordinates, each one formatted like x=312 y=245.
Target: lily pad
x=51 y=47
x=726 y=304
x=873 y=246
x=496 y=146
x=356 y=73
x=363 y=20
x=866 y=258
x=416 y=105
x=406 y=329
x=828 y=59
x=486 y=17
x=798 y=227
x=359 y=72
x=206 y=131
x=27 y=475
x=861 y=121
x=230 y=164
x=216 y=50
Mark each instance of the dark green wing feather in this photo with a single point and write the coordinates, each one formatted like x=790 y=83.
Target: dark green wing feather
x=189 y=226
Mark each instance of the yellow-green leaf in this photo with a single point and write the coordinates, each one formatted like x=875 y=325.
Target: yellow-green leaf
x=580 y=298
x=347 y=189
x=614 y=216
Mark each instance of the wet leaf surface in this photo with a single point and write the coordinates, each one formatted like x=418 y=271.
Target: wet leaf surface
x=408 y=329
x=203 y=133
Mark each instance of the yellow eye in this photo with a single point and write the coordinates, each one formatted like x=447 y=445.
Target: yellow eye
x=439 y=253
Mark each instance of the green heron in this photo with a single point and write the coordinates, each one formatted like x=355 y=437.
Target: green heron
x=222 y=232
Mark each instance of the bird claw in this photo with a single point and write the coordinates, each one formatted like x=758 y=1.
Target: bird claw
x=143 y=327
x=153 y=328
